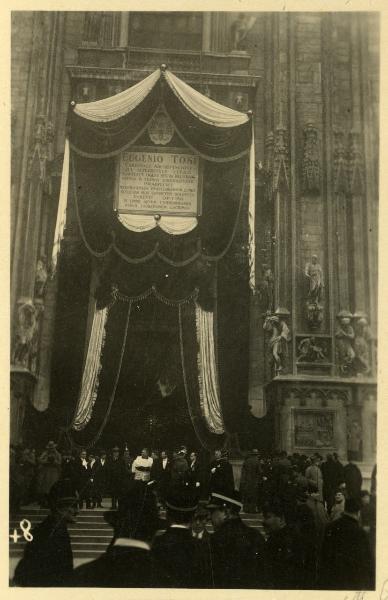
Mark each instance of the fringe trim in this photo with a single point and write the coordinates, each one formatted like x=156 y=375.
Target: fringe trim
x=92 y=443
x=201 y=367
x=153 y=292
x=79 y=425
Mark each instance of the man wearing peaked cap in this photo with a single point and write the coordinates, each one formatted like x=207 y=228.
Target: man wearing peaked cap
x=237 y=551
x=177 y=552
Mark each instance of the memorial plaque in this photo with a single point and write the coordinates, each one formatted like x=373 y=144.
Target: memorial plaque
x=162 y=182
x=314 y=429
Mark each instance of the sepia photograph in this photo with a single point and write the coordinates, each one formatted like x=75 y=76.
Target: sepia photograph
x=194 y=221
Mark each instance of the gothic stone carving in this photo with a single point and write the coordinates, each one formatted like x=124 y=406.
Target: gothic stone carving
x=240 y=29
x=314 y=307
x=311 y=350
x=26 y=342
x=279 y=338
x=348 y=172
x=314 y=428
x=353 y=344
x=356 y=162
x=340 y=171
x=41 y=148
x=344 y=343
x=311 y=170
x=281 y=165
x=266 y=291
x=40 y=277
x=362 y=344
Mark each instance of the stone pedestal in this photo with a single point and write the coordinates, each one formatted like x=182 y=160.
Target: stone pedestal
x=309 y=420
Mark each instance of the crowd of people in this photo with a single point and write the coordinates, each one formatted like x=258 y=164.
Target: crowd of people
x=319 y=523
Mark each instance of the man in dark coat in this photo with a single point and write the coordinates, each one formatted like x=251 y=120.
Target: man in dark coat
x=237 y=551
x=179 y=468
x=101 y=475
x=249 y=483
x=129 y=561
x=195 y=471
x=180 y=555
x=331 y=480
x=117 y=475
x=82 y=479
x=284 y=551
x=160 y=473
x=221 y=474
x=48 y=558
x=353 y=480
x=68 y=469
x=346 y=560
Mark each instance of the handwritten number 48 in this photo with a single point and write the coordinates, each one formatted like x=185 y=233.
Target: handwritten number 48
x=25 y=526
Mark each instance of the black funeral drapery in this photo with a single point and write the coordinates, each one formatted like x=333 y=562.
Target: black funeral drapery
x=134 y=357
x=92 y=185
x=103 y=139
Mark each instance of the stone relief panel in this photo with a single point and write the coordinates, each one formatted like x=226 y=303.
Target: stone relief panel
x=314 y=429
x=314 y=354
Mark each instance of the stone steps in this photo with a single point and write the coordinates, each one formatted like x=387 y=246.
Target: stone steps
x=91 y=534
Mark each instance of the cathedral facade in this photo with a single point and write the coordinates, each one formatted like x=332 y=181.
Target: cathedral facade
x=306 y=337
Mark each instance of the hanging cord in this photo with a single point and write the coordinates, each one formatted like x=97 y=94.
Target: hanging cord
x=152 y=291
x=74 y=187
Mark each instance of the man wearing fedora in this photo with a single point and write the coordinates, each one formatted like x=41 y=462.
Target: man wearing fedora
x=117 y=475
x=48 y=558
x=237 y=551
x=181 y=555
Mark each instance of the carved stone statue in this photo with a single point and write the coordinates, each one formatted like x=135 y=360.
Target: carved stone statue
x=266 y=290
x=310 y=351
x=92 y=27
x=278 y=343
x=362 y=346
x=314 y=272
x=25 y=350
x=240 y=29
x=314 y=313
x=344 y=342
x=40 y=278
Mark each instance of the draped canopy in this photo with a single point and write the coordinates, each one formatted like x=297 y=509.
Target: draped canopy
x=105 y=128
x=171 y=260
x=109 y=126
